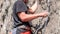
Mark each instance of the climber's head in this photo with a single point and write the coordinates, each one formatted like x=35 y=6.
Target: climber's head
x=26 y=1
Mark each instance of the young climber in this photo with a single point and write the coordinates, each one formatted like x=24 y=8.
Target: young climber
x=22 y=18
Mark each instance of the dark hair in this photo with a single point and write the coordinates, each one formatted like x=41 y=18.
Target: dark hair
x=20 y=0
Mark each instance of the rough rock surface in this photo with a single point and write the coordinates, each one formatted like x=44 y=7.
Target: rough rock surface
x=6 y=20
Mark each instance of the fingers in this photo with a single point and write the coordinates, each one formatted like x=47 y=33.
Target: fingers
x=44 y=14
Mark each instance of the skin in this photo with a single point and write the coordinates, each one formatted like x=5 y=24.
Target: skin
x=28 y=17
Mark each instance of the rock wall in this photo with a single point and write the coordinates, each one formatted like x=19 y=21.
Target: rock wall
x=53 y=27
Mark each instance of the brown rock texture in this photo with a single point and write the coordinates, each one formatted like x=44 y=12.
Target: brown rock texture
x=53 y=27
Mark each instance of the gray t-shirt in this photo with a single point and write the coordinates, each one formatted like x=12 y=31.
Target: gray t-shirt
x=19 y=6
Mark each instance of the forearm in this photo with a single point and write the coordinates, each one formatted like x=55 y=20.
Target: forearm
x=28 y=17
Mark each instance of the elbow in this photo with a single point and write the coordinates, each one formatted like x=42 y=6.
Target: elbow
x=22 y=16
x=24 y=20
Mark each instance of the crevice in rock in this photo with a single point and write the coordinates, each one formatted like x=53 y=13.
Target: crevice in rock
x=7 y=10
x=1 y=25
x=1 y=5
x=3 y=17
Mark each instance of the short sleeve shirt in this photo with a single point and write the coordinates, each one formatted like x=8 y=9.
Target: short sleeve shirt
x=19 y=6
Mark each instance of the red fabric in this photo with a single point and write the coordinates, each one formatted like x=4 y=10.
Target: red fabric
x=27 y=32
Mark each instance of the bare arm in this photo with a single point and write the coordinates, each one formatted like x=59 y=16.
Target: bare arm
x=28 y=17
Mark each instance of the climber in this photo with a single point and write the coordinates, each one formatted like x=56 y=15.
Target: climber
x=21 y=17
